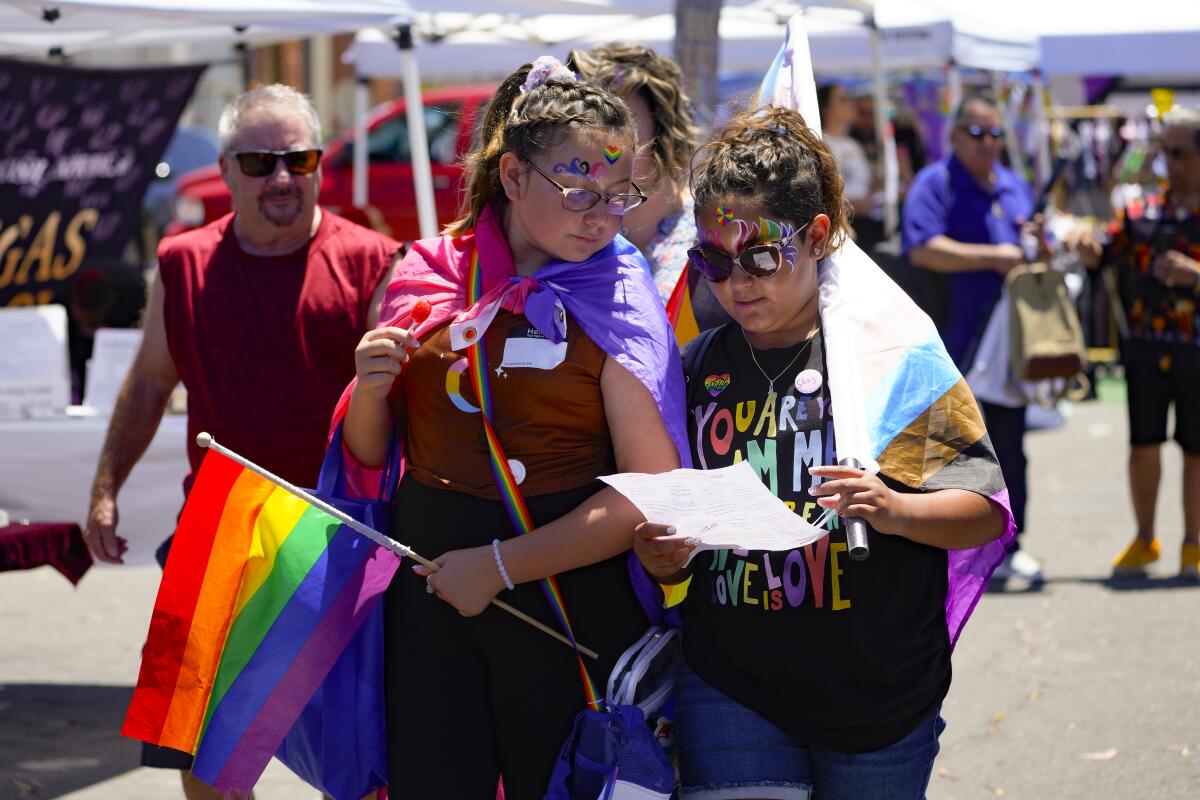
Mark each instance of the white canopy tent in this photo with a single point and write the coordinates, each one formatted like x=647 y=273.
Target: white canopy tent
x=461 y=45
x=37 y=28
x=34 y=27
x=1156 y=37
x=864 y=37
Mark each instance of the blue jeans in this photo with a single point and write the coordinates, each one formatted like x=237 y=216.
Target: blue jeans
x=728 y=752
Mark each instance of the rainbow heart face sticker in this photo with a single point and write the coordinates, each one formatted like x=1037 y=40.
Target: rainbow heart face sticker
x=724 y=215
x=612 y=154
x=715 y=384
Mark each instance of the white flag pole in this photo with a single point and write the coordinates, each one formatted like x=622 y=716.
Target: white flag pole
x=206 y=440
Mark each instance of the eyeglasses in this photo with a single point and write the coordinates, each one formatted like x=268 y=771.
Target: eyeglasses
x=261 y=163
x=582 y=199
x=757 y=261
x=978 y=131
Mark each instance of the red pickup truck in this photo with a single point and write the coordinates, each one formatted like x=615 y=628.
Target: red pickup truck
x=451 y=115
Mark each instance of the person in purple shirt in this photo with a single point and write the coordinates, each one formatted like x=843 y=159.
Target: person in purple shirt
x=964 y=217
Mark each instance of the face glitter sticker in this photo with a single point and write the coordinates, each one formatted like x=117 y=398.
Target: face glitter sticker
x=612 y=154
x=715 y=384
x=724 y=215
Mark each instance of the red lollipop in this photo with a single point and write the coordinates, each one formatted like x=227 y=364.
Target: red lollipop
x=420 y=312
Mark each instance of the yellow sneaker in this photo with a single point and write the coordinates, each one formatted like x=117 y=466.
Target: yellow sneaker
x=1135 y=558
x=1189 y=561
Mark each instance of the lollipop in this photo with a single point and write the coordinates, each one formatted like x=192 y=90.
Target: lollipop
x=420 y=312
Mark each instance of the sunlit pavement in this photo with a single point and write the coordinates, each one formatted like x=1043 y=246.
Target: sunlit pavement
x=1081 y=687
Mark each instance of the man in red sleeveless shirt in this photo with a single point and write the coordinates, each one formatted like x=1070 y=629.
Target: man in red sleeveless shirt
x=258 y=314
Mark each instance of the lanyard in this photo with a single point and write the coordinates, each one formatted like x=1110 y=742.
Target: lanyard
x=510 y=494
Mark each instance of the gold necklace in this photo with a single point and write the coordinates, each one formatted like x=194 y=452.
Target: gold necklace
x=770 y=380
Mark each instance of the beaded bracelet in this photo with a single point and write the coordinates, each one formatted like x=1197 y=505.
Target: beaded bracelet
x=500 y=565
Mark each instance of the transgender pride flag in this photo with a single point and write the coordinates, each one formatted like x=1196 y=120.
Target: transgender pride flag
x=900 y=405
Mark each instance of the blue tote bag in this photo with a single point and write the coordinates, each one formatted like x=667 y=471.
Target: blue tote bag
x=339 y=743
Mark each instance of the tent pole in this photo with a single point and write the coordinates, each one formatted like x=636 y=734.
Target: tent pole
x=418 y=141
x=362 y=100
x=885 y=137
x=245 y=59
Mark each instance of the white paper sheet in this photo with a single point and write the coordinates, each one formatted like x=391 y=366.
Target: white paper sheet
x=34 y=373
x=728 y=507
x=113 y=350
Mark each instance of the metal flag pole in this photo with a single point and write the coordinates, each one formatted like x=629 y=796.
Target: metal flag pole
x=206 y=440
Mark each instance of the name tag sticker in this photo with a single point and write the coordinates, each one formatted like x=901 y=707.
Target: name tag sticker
x=527 y=347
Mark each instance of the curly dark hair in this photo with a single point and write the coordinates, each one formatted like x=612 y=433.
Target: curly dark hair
x=772 y=156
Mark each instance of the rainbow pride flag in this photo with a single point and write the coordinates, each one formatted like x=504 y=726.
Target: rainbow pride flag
x=260 y=596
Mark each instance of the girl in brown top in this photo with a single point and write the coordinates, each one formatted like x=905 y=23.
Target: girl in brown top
x=472 y=692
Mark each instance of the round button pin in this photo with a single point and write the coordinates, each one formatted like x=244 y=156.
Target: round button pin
x=808 y=381
x=518 y=470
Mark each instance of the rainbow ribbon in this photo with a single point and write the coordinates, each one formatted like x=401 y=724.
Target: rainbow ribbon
x=510 y=494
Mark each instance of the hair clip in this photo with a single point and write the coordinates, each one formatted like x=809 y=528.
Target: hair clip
x=546 y=68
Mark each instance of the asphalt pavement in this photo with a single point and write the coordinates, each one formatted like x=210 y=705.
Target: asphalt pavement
x=1080 y=687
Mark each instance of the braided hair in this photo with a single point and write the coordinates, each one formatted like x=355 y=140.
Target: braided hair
x=772 y=156
x=527 y=124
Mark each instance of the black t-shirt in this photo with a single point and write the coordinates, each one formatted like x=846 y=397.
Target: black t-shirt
x=846 y=655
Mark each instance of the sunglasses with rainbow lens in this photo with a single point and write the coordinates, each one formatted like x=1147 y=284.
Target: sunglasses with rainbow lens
x=261 y=163
x=758 y=260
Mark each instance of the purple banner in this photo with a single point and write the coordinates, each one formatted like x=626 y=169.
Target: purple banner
x=78 y=148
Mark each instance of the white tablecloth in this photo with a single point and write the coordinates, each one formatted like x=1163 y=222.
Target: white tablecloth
x=47 y=466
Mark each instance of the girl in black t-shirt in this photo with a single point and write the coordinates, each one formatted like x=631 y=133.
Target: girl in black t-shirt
x=805 y=673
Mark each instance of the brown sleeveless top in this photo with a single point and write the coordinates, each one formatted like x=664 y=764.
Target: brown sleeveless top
x=548 y=411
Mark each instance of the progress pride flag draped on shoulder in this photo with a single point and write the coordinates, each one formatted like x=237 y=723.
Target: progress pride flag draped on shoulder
x=900 y=405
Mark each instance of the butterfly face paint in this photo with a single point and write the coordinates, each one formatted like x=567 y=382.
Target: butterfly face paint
x=761 y=248
x=585 y=169
x=766 y=231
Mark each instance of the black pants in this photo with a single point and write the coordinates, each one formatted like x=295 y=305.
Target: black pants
x=1006 y=426
x=469 y=699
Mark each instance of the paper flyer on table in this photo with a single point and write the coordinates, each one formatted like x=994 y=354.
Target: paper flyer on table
x=728 y=507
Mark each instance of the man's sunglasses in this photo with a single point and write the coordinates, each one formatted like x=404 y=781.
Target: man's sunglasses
x=261 y=163
x=978 y=131
x=758 y=260
x=582 y=199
